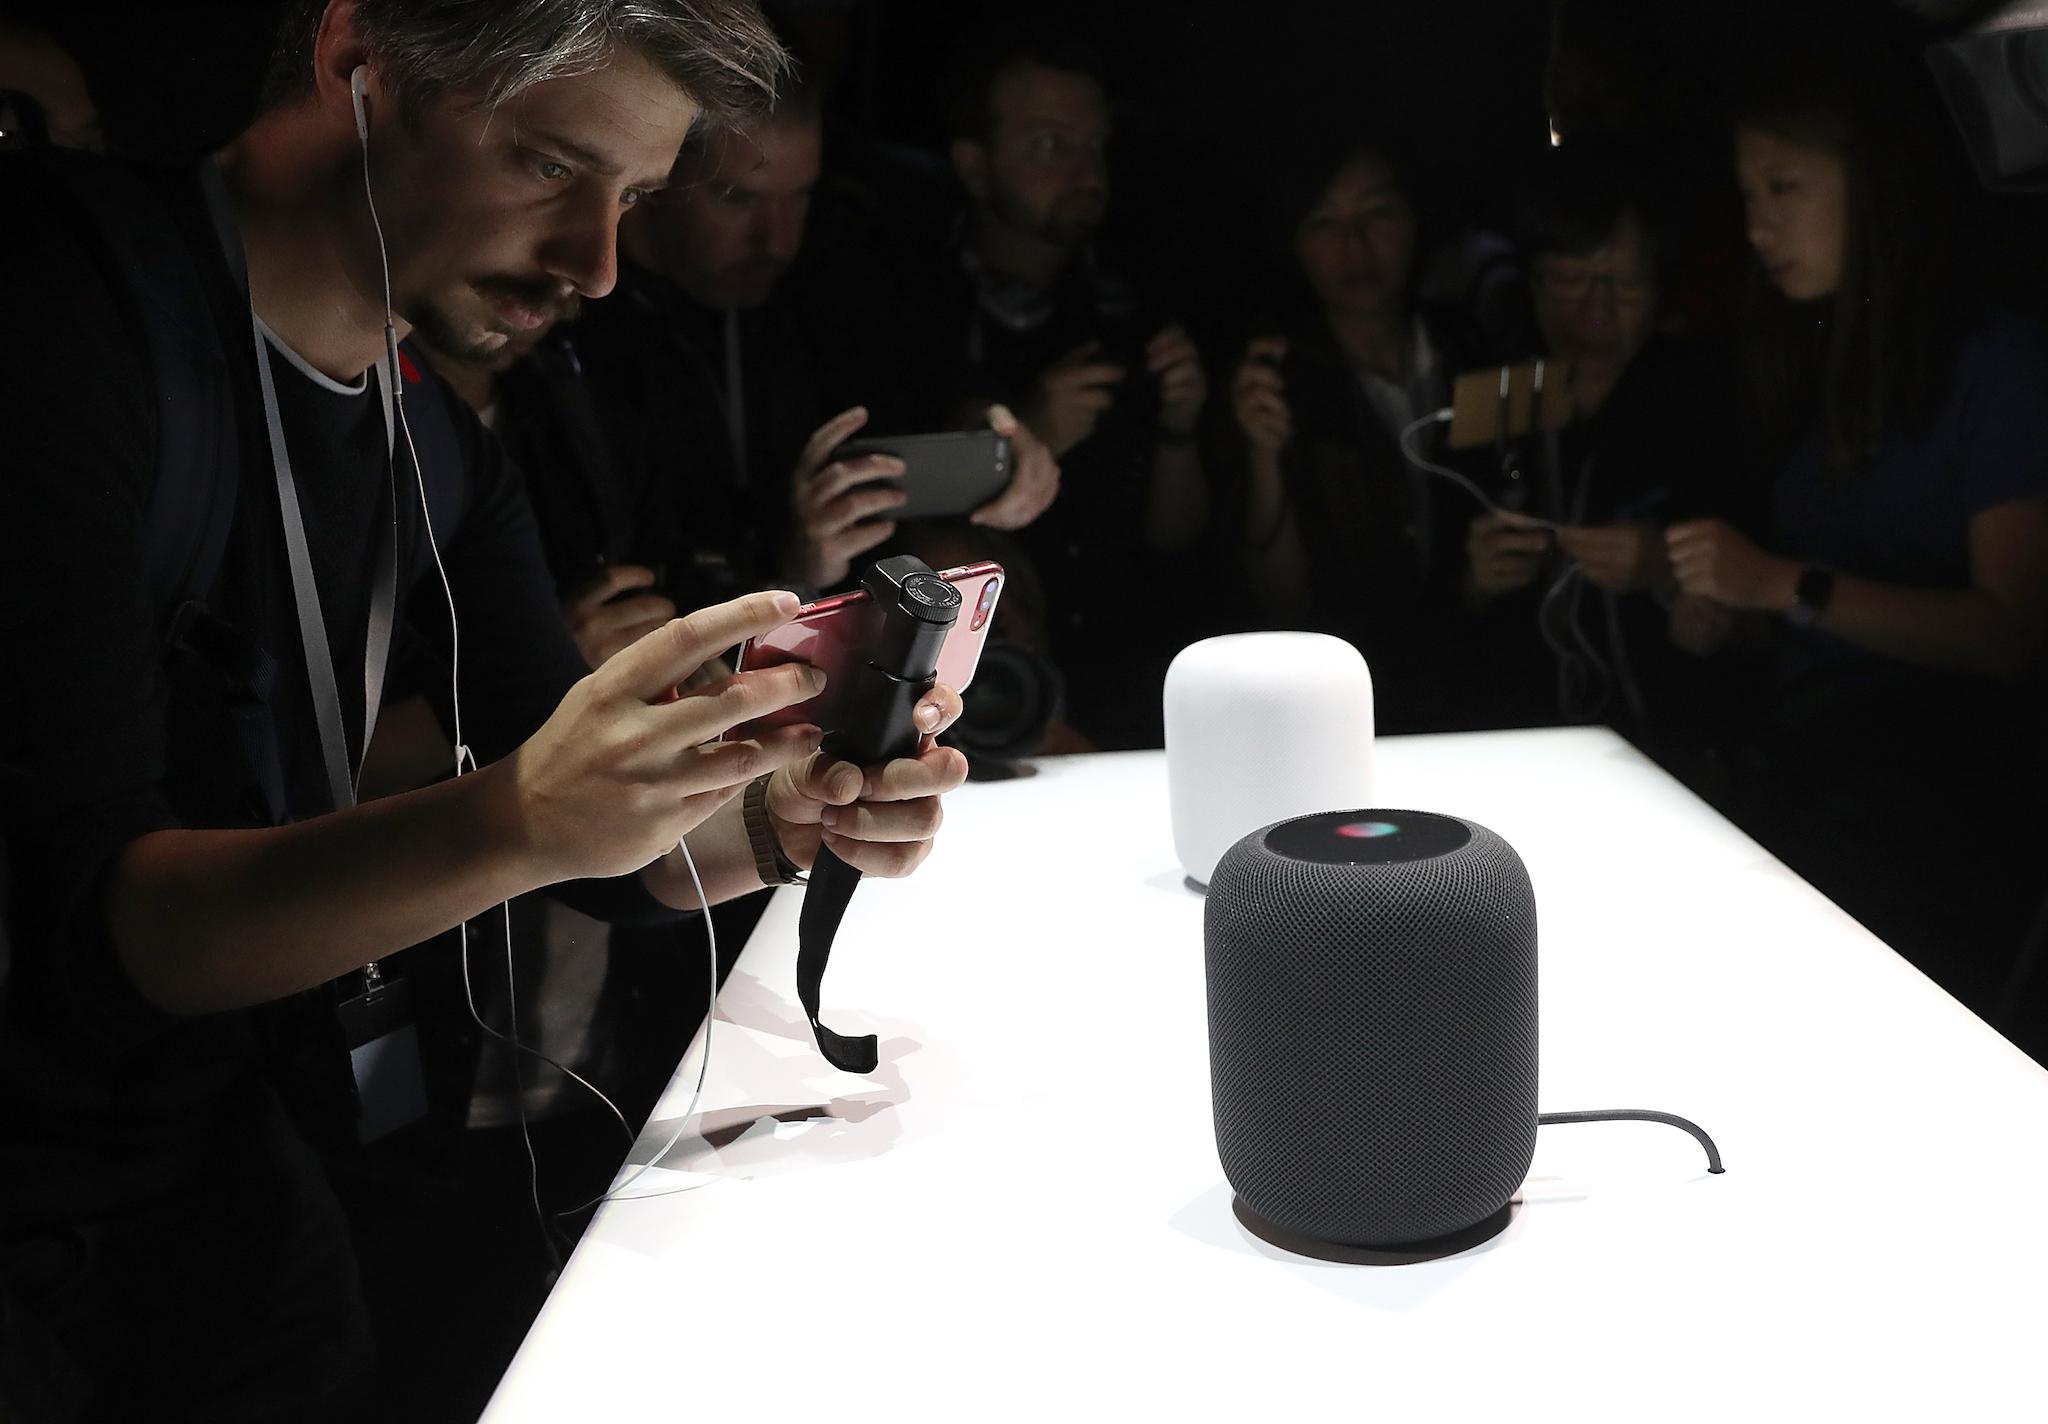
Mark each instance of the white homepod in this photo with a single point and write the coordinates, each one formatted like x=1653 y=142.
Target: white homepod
x=1261 y=727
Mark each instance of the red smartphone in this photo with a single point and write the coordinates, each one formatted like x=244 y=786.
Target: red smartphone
x=835 y=633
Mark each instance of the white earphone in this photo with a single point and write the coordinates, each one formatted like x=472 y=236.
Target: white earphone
x=356 y=79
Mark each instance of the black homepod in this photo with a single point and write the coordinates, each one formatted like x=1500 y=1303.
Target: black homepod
x=1372 y=1030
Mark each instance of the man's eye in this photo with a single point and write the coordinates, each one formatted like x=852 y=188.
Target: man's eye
x=550 y=171
x=631 y=196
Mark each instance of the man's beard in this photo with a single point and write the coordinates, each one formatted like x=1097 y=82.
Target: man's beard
x=485 y=345
x=1061 y=227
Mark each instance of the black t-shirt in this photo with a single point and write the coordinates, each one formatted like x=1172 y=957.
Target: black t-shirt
x=103 y=737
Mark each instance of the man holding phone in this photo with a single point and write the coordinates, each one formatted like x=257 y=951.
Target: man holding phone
x=1039 y=323
x=737 y=358
x=182 y=948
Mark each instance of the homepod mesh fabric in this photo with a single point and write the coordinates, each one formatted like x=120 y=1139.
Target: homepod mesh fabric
x=1372 y=1038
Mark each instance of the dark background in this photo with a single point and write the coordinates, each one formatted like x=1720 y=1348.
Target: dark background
x=1210 y=95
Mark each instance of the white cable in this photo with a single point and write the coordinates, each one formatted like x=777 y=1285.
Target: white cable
x=703 y=1067
x=1415 y=457
x=466 y=760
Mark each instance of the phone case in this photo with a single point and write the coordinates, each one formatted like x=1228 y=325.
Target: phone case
x=1507 y=402
x=833 y=634
x=945 y=475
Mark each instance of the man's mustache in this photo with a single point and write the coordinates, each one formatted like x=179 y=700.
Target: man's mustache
x=552 y=298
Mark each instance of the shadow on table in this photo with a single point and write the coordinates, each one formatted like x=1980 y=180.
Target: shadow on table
x=1209 y=1220
x=817 y=1116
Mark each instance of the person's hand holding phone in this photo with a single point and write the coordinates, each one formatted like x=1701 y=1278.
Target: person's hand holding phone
x=1504 y=552
x=1071 y=396
x=1032 y=488
x=1259 y=397
x=840 y=505
x=1173 y=359
x=880 y=820
x=615 y=610
x=626 y=767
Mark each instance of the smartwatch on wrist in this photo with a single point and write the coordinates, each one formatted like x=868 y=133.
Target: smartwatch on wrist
x=770 y=863
x=1810 y=597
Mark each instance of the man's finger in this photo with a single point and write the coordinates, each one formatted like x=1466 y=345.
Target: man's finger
x=937 y=710
x=909 y=819
x=840 y=476
x=856 y=539
x=826 y=780
x=854 y=508
x=648 y=669
x=830 y=436
x=930 y=773
x=879 y=860
x=705 y=715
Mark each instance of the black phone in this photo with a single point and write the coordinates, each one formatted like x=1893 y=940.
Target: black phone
x=945 y=475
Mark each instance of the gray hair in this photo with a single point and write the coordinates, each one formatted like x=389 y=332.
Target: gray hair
x=721 y=53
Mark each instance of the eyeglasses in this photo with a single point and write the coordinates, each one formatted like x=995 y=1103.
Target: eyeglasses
x=1575 y=286
x=1045 y=146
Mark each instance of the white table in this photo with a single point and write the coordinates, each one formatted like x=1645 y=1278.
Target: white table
x=1021 y=1215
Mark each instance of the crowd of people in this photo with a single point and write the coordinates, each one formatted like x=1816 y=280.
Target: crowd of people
x=1792 y=541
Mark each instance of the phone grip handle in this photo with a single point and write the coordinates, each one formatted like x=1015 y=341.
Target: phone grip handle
x=879 y=728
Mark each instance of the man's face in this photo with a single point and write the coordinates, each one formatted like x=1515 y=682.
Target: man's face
x=1044 y=168
x=726 y=234
x=496 y=221
x=1598 y=307
x=1357 y=244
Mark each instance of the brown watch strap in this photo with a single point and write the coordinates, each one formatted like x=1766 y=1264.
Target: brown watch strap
x=770 y=863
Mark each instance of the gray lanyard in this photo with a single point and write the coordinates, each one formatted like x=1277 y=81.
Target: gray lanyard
x=342 y=779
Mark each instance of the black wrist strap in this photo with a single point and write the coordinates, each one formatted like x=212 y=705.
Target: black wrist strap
x=918 y=609
x=831 y=887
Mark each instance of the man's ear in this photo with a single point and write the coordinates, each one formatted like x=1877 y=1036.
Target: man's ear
x=970 y=165
x=337 y=49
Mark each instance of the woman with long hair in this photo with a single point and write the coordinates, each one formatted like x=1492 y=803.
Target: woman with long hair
x=1341 y=531
x=1902 y=570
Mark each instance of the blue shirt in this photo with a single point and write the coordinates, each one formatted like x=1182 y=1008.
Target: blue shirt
x=1904 y=518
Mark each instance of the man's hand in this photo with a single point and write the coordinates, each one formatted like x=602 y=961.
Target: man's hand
x=1172 y=358
x=1620 y=558
x=1258 y=396
x=1504 y=552
x=1698 y=625
x=1071 y=395
x=602 y=622
x=880 y=820
x=619 y=774
x=1712 y=560
x=1034 y=485
x=838 y=503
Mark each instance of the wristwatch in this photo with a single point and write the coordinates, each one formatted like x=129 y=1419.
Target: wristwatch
x=1810 y=597
x=770 y=863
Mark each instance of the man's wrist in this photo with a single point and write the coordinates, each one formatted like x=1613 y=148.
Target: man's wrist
x=764 y=837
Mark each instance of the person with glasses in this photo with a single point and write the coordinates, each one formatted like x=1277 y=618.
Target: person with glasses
x=1033 y=317
x=1578 y=613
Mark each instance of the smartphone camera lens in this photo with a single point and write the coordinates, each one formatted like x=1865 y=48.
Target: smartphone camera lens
x=985 y=606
